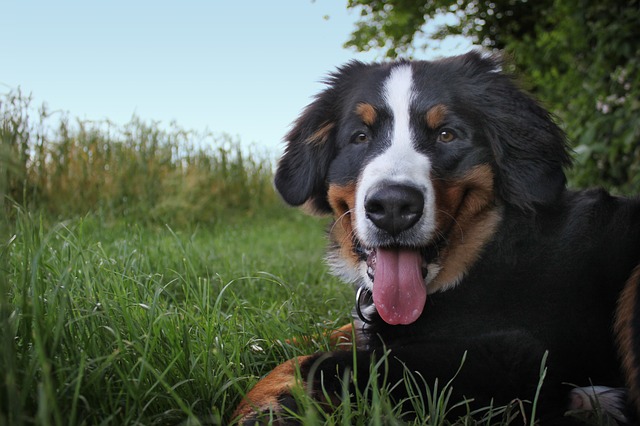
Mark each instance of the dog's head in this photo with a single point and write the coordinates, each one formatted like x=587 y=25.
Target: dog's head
x=417 y=161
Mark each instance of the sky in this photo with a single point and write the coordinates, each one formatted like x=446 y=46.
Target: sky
x=245 y=68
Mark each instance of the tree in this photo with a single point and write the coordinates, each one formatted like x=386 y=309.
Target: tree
x=581 y=58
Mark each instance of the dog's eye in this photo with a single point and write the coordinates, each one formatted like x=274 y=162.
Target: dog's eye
x=446 y=136
x=360 y=138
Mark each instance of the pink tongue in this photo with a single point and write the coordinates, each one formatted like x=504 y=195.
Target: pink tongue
x=399 y=292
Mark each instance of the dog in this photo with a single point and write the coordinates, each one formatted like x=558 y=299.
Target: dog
x=453 y=220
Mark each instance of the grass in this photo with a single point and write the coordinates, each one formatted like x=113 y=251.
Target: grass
x=129 y=324
x=152 y=276
x=146 y=325
x=140 y=171
x=146 y=274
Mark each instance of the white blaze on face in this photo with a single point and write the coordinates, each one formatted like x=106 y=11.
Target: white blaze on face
x=400 y=163
x=398 y=287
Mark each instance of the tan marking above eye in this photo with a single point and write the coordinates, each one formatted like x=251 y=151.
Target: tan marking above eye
x=435 y=116
x=367 y=113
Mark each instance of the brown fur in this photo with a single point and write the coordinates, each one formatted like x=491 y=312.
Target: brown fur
x=342 y=201
x=265 y=393
x=321 y=135
x=367 y=113
x=436 y=115
x=468 y=217
x=343 y=338
x=625 y=314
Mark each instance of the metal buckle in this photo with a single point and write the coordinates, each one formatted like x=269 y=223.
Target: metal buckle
x=358 y=302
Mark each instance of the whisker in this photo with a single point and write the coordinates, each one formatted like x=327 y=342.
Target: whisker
x=455 y=221
x=348 y=237
x=339 y=219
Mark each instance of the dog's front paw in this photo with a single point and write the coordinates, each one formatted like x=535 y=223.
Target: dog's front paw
x=271 y=400
x=600 y=400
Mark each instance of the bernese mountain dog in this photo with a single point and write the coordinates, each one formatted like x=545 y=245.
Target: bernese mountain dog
x=454 y=223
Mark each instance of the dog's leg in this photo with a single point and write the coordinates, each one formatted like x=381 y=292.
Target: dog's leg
x=489 y=375
x=610 y=402
x=320 y=375
x=627 y=327
x=273 y=393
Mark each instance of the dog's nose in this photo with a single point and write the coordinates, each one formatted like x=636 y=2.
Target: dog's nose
x=394 y=208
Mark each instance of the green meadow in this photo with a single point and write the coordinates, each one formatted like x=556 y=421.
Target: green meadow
x=148 y=276
x=151 y=276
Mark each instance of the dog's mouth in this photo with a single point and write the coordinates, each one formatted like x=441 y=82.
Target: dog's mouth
x=399 y=276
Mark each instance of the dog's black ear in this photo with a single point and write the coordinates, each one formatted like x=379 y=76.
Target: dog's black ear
x=311 y=146
x=529 y=149
x=302 y=170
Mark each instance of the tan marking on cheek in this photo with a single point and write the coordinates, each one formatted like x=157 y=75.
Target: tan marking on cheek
x=624 y=330
x=435 y=116
x=448 y=199
x=321 y=135
x=478 y=187
x=342 y=200
x=456 y=201
x=367 y=113
x=460 y=254
x=266 y=392
x=468 y=216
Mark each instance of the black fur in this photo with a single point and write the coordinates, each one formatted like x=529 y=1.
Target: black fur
x=548 y=280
